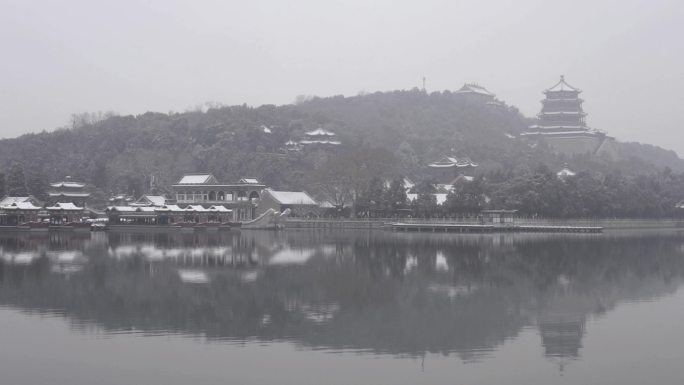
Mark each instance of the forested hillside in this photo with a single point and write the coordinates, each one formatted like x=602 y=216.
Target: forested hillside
x=390 y=134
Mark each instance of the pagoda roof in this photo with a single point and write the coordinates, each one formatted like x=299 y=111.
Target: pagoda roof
x=561 y=86
x=64 y=206
x=320 y=132
x=67 y=184
x=472 y=88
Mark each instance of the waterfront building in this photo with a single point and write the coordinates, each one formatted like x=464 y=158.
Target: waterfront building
x=168 y=215
x=15 y=212
x=205 y=190
x=68 y=191
x=65 y=212
x=299 y=203
x=562 y=123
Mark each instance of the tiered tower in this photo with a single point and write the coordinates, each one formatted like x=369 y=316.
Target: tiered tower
x=562 y=122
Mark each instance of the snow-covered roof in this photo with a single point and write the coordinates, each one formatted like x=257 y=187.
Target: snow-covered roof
x=266 y=129
x=154 y=200
x=20 y=206
x=292 y=197
x=439 y=197
x=172 y=208
x=451 y=161
x=562 y=86
x=197 y=179
x=195 y=208
x=67 y=184
x=565 y=172
x=68 y=194
x=249 y=181
x=64 y=206
x=333 y=142
x=563 y=113
x=121 y=208
x=319 y=132
x=220 y=209
x=8 y=200
x=471 y=88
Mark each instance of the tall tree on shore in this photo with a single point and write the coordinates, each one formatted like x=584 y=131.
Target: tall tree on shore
x=16 y=181
x=36 y=184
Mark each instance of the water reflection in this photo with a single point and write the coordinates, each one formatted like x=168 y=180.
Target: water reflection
x=406 y=294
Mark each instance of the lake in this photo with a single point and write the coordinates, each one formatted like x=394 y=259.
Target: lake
x=317 y=307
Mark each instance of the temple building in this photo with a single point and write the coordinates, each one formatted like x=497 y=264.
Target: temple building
x=205 y=190
x=320 y=138
x=476 y=92
x=449 y=168
x=68 y=191
x=562 y=123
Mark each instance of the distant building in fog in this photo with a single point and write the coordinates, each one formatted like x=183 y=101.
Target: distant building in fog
x=475 y=91
x=449 y=168
x=562 y=123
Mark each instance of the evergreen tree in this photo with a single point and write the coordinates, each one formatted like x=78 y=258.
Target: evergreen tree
x=16 y=181
x=395 y=196
x=37 y=185
x=3 y=185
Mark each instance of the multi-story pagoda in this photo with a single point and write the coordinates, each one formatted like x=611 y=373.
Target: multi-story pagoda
x=68 y=191
x=562 y=122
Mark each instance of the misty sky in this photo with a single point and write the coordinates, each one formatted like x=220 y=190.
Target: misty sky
x=64 y=57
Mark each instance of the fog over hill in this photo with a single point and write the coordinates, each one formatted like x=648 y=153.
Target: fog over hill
x=413 y=128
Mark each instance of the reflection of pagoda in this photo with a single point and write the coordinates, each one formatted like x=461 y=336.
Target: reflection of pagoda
x=562 y=122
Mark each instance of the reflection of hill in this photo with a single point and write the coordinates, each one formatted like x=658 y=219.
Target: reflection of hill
x=380 y=292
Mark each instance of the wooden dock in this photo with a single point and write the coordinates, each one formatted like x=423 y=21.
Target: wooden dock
x=487 y=228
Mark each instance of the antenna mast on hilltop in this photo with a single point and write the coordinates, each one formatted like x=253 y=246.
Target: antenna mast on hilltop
x=423 y=83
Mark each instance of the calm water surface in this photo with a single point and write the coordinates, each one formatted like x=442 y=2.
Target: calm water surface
x=301 y=307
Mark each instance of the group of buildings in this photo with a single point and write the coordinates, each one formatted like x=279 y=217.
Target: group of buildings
x=199 y=198
x=65 y=205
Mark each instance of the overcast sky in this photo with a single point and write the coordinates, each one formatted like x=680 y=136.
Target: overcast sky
x=64 y=57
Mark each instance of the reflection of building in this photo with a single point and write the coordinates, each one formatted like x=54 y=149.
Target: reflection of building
x=562 y=122
x=63 y=213
x=205 y=190
x=18 y=210
x=561 y=335
x=298 y=202
x=68 y=191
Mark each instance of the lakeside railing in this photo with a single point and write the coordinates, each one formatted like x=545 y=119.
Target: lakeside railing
x=586 y=222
